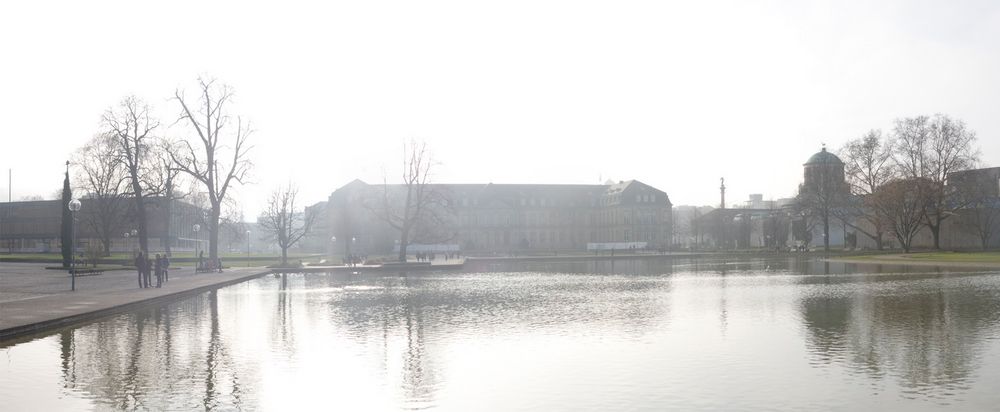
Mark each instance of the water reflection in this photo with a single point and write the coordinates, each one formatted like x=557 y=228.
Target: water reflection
x=930 y=340
x=540 y=335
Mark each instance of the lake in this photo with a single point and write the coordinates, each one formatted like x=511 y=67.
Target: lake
x=642 y=334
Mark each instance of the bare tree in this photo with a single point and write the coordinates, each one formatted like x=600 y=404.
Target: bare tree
x=167 y=177
x=902 y=202
x=931 y=148
x=232 y=227
x=131 y=126
x=867 y=166
x=104 y=183
x=283 y=222
x=220 y=155
x=418 y=209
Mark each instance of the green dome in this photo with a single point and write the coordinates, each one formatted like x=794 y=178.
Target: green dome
x=824 y=156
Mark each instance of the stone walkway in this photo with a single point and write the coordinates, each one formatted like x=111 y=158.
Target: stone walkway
x=33 y=299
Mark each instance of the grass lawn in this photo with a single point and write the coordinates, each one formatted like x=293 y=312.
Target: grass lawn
x=989 y=257
x=979 y=257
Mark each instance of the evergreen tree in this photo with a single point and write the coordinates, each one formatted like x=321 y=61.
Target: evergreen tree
x=67 y=221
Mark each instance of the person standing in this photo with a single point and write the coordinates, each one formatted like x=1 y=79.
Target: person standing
x=147 y=273
x=158 y=268
x=140 y=262
x=166 y=268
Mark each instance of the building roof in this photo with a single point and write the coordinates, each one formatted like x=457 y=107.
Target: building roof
x=824 y=156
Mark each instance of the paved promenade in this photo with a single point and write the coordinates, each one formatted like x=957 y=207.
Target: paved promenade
x=33 y=299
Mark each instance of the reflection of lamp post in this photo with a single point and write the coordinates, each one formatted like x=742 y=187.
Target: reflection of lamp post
x=74 y=206
x=248 y=248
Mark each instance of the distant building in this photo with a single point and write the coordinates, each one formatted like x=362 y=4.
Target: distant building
x=822 y=190
x=744 y=228
x=507 y=218
x=34 y=226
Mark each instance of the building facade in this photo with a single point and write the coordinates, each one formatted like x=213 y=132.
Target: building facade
x=34 y=226
x=505 y=218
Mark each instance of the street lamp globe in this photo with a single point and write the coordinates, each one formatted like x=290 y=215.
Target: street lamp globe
x=74 y=205
x=135 y=232
x=333 y=238
x=196 y=227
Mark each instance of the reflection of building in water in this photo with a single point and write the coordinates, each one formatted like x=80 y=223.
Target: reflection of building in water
x=927 y=340
x=507 y=217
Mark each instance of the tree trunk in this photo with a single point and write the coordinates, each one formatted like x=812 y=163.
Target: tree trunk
x=403 y=242
x=284 y=255
x=826 y=232
x=140 y=220
x=106 y=243
x=166 y=213
x=213 y=231
x=936 y=231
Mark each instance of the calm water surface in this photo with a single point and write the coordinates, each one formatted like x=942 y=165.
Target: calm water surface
x=633 y=335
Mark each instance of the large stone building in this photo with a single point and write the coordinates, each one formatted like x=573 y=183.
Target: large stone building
x=505 y=218
x=34 y=226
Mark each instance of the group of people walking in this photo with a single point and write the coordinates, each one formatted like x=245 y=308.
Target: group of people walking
x=148 y=268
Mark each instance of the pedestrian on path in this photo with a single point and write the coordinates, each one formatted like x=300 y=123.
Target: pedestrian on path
x=147 y=273
x=166 y=266
x=140 y=263
x=158 y=266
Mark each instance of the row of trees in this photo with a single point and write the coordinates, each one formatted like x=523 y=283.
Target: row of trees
x=898 y=183
x=132 y=161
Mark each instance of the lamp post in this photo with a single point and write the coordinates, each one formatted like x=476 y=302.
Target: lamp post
x=197 y=241
x=128 y=246
x=134 y=234
x=248 y=248
x=74 y=206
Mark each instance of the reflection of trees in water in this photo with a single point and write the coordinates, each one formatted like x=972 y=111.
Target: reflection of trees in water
x=406 y=315
x=138 y=360
x=282 y=330
x=930 y=340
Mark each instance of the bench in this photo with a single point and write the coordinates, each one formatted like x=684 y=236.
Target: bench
x=87 y=272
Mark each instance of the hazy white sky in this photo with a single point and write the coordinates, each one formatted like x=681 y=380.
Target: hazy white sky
x=675 y=94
